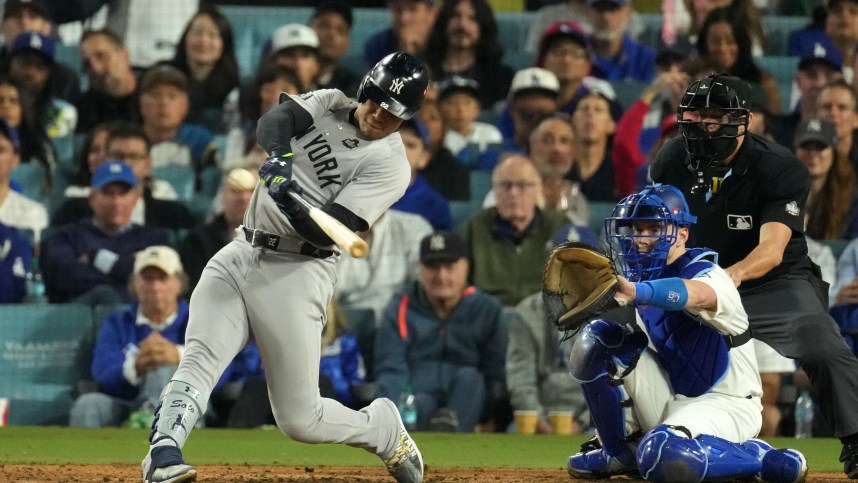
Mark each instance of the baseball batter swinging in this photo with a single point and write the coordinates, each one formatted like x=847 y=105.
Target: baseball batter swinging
x=274 y=281
x=676 y=399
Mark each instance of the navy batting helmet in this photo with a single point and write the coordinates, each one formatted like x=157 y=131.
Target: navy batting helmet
x=663 y=204
x=397 y=83
x=725 y=97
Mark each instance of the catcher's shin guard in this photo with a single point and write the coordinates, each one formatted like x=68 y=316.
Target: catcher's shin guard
x=599 y=352
x=668 y=455
x=180 y=407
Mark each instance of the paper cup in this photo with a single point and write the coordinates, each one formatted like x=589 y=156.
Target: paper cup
x=525 y=421
x=561 y=422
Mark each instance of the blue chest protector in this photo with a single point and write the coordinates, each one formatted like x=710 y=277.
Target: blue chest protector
x=695 y=355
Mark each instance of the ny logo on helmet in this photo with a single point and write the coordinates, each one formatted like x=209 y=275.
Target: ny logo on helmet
x=396 y=86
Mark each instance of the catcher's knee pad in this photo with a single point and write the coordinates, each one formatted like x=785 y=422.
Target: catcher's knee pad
x=667 y=454
x=180 y=407
x=604 y=347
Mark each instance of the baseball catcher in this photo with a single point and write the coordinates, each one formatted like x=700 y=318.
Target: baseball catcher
x=676 y=398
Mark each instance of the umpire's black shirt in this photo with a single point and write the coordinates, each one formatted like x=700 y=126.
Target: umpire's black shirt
x=765 y=183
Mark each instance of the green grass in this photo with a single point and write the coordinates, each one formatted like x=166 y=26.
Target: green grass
x=53 y=445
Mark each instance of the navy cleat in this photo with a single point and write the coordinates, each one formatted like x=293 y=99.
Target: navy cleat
x=164 y=464
x=406 y=462
x=779 y=465
x=594 y=463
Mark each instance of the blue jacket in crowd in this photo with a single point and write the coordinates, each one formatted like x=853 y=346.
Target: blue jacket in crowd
x=413 y=346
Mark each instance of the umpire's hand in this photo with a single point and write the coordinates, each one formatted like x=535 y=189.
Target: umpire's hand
x=276 y=175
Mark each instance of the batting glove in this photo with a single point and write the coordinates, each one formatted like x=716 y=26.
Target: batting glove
x=276 y=175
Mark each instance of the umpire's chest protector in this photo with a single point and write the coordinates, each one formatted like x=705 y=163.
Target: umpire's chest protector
x=694 y=355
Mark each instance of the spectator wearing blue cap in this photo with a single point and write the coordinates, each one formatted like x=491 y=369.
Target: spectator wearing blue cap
x=90 y=261
x=31 y=58
x=21 y=16
x=618 y=57
x=820 y=64
x=420 y=198
x=16 y=210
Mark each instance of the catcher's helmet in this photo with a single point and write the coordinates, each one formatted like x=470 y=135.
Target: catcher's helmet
x=663 y=204
x=708 y=142
x=397 y=83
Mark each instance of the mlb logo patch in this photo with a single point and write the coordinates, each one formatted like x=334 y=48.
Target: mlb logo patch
x=740 y=222
x=792 y=208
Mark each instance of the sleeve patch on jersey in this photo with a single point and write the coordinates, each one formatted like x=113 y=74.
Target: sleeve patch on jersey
x=792 y=208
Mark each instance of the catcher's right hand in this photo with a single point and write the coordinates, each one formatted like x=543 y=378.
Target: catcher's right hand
x=579 y=284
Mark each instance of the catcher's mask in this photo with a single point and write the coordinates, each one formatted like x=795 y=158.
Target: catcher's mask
x=655 y=214
x=709 y=116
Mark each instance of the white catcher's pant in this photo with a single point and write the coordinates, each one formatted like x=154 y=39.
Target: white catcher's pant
x=729 y=417
x=281 y=299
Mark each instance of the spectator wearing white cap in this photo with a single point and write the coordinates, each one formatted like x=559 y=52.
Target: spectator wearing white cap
x=296 y=46
x=532 y=96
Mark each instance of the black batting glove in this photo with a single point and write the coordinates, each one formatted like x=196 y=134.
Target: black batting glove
x=276 y=175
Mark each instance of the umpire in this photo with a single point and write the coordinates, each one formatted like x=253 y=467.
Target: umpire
x=749 y=195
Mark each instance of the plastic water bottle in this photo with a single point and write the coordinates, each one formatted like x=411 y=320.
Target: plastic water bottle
x=408 y=408
x=35 y=284
x=804 y=416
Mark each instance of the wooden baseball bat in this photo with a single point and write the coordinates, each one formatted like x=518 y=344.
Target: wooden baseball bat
x=347 y=240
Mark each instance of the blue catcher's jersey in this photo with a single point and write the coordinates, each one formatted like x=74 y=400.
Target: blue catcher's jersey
x=691 y=346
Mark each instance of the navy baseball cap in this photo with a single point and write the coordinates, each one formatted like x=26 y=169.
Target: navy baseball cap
x=607 y=3
x=113 y=171
x=11 y=134
x=340 y=8
x=561 y=30
x=820 y=51
x=457 y=83
x=442 y=246
x=38 y=7
x=34 y=42
x=817 y=130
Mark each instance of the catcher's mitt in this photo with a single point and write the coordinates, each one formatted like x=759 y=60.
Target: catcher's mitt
x=579 y=284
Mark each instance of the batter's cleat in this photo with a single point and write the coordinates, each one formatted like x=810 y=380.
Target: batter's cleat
x=164 y=464
x=849 y=458
x=778 y=465
x=406 y=462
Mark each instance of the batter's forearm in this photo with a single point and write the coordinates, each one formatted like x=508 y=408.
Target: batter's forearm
x=277 y=127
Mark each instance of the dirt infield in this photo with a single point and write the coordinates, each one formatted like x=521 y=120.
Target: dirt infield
x=319 y=474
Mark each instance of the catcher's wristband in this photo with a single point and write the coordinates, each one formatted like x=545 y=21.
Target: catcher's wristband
x=666 y=293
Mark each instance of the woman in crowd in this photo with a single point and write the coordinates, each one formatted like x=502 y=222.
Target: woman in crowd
x=724 y=45
x=207 y=56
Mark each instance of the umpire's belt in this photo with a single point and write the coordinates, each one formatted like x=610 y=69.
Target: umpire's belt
x=261 y=239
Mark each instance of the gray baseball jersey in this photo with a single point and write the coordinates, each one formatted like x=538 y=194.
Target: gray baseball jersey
x=280 y=298
x=333 y=162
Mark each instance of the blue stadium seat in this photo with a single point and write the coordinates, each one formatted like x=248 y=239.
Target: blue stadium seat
x=182 y=179
x=512 y=30
x=481 y=184
x=628 y=92
x=783 y=68
x=519 y=59
x=778 y=28
x=31 y=175
x=69 y=55
x=47 y=349
x=462 y=211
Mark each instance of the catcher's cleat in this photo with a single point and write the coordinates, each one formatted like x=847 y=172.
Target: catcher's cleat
x=849 y=458
x=596 y=464
x=406 y=462
x=164 y=464
x=779 y=465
